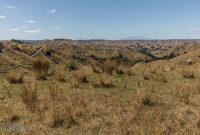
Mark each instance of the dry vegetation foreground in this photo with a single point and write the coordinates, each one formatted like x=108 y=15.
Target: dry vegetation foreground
x=101 y=98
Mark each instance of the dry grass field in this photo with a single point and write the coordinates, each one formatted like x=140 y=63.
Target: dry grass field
x=68 y=88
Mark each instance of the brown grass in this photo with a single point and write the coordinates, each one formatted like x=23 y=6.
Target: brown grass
x=104 y=81
x=15 y=77
x=160 y=77
x=143 y=96
x=41 y=67
x=81 y=76
x=96 y=67
x=198 y=86
x=184 y=92
x=109 y=66
x=59 y=75
x=153 y=75
x=124 y=70
x=74 y=83
x=29 y=95
x=188 y=73
x=147 y=75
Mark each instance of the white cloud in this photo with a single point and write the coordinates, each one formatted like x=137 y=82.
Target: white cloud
x=56 y=27
x=197 y=29
x=51 y=11
x=33 y=31
x=31 y=21
x=10 y=7
x=14 y=29
x=2 y=17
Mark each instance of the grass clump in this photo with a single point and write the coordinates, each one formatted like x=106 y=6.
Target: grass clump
x=123 y=70
x=29 y=95
x=60 y=75
x=41 y=67
x=109 y=66
x=188 y=73
x=15 y=78
x=96 y=67
x=103 y=81
x=81 y=76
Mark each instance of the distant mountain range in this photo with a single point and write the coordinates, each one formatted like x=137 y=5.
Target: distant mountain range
x=137 y=38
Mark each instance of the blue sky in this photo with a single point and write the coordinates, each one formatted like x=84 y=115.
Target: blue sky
x=105 y=19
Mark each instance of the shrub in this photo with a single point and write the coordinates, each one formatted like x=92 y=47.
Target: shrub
x=104 y=81
x=29 y=95
x=109 y=66
x=72 y=66
x=41 y=67
x=16 y=78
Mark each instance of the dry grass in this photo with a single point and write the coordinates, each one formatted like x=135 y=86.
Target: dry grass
x=41 y=67
x=81 y=76
x=150 y=74
x=74 y=83
x=109 y=66
x=53 y=90
x=160 y=77
x=104 y=81
x=59 y=75
x=188 y=73
x=184 y=92
x=29 y=95
x=15 y=77
x=96 y=67
x=198 y=86
x=147 y=75
x=124 y=70
x=143 y=96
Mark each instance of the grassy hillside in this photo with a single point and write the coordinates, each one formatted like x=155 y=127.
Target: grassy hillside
x=64 y=88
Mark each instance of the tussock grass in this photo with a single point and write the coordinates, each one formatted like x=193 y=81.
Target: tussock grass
x=96 y=67
x=124 y=70
x=150 y=74
x=59 y=75
x=29 y=95
x=184 y=92
x=74 y=83
x=15 y=77
x=41 y=67
x=188 y=73
x=109 y=66
x=104 y=81
x=81 y=76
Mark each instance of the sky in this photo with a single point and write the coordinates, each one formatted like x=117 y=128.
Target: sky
x=99 y=19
